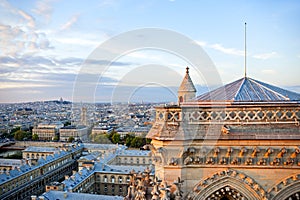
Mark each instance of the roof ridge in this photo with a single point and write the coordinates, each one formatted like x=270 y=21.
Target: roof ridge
x=238 y=90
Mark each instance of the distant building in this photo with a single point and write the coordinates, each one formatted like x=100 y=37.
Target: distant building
x=33 y=154
x=83 y=117
x=27 y=179
x=47 y=131
x=101 y=130
x=77 y=132
x=105 y=173
x=54 y=195
x=10 y=164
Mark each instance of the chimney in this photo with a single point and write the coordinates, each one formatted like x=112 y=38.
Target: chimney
x=74 y=172
x=41 y=198
x=65 y=195
x=66 y=177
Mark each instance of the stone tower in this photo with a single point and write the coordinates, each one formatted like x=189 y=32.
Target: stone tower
x=187 y=90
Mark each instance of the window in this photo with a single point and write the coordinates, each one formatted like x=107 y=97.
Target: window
x=120 y=179
x=113 y=179
x=105 y=179
x=128 y=179
x=120 y=189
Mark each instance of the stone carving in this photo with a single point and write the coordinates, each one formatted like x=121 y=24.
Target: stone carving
x=173 y=161
x=245 y=156
x=213 y=179
x=229 y=151
x=268 y=152
x=165 y=191
x=282 y=184
x=281 y=153
x=255 y=151
x=142 y=183
x=242 y=152
x=225 y=130
x=178 y=192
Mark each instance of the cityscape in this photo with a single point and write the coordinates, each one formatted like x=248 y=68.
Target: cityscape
x=149 y=100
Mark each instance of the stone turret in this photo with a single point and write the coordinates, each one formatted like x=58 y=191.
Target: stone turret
x=187 y=90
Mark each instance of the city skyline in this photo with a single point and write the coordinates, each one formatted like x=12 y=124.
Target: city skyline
x=44 y=43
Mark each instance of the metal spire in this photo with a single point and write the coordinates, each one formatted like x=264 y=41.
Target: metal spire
x=245 y=70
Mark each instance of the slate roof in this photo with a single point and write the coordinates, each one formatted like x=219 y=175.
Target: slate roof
x=249 y=90
x=54 y=195
x=187 y=83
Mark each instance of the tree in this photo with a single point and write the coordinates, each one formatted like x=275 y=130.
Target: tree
x=71 y=139
x=128 y=139
x=101 y=139
x=137 y=142
x=55 y=138
x=19 y=135
x=35 y=137
x=116 y=138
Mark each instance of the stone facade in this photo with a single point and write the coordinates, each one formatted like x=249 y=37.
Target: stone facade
x=231 y=149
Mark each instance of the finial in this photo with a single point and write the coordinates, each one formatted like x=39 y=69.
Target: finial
x=187 y=70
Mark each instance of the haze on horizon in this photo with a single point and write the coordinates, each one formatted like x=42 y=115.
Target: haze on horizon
x=44 y=43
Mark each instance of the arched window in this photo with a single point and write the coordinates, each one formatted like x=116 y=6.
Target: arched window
x=112 y=179
x=120 y=179
x=180 y=99
x=105 y=179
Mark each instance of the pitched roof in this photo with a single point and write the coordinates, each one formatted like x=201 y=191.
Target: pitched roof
x=187 y=83
x=249 y=90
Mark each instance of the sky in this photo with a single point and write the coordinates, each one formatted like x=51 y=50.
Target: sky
x=45 y=45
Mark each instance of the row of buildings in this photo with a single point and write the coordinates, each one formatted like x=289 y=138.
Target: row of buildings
x=57 y=131
x=101 y=169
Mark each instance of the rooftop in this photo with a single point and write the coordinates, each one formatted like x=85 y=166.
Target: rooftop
x=249 y=90
x=54 y=195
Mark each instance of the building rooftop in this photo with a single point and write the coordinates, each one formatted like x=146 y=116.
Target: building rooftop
x=249 y=90
x=41 y=149
x=133 y=153
x=54 y=195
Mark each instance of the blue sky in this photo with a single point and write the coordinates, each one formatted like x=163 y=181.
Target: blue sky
x=44 y=43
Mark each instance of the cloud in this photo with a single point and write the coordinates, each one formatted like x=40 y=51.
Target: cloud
x=44 y=9
x=269 y=72
x=30 y=20
x=69 y=23
x=221 y=48
x=265 y=56
x=230 y=51
x=18 y=33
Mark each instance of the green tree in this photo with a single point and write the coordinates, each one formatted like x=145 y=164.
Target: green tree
x=55 y=138
x=71 y=139
x=137 y=142
x=102 y=139
x=129 y=137
x=19 y=135
x=35 y=137
x=116 y=138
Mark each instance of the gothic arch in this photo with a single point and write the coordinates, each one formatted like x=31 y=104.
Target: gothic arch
x=286 y=188
x=230 y=182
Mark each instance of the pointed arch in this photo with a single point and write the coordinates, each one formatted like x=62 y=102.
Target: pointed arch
x=226 y=183
x=286 y=188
